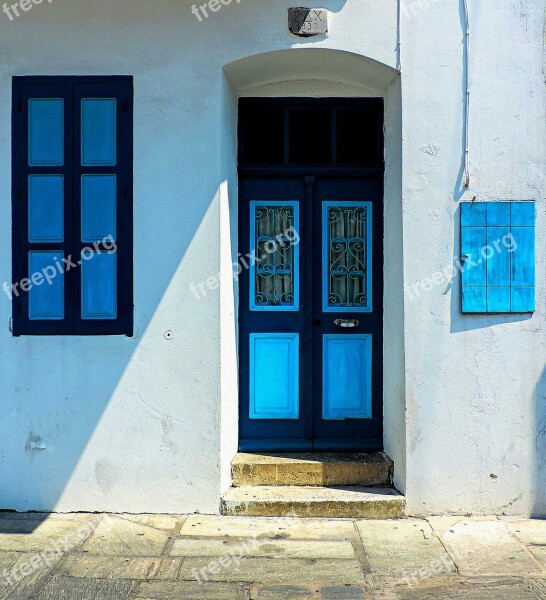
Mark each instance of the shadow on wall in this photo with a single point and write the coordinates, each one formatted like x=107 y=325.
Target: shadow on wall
x=539 y=506
x=45 y=434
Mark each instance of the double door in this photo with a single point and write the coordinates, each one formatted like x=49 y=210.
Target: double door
x=310 y=313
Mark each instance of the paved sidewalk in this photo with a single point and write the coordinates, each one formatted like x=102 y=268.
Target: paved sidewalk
x=163 y=557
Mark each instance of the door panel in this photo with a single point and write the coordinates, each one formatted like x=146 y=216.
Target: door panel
x=273 y=329
x=347 y=377
x=347 y=398
x=310 y=315
x=274 y=376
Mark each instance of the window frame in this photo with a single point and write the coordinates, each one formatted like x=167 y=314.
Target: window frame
x=72 y=89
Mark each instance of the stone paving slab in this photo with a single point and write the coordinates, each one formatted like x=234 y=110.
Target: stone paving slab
x=529 y=531
x=481 y=547
x=407 y=546
x=283 y=592
x=117 y=567
x=315 y=592
x=167 y=522
x=539 y=552
x=452 y=588
x=270 y=527
x=64 y=588
x=274 y=571
x=22 y=572
x=43 y=532
x=115 y=536
x=264 y=548
x=187 y=590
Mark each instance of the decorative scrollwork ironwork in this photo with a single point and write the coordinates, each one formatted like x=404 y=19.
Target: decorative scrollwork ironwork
x=274 y=243
x=347 y=264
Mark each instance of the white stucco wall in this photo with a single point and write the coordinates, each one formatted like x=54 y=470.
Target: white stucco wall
x=146 y=424
x=475 y=386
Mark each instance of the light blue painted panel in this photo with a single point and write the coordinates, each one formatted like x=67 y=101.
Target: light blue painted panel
x=498 y=214
x=274 y=375
x=474 y=299
x=98 y=207
x=98 y=135
x=523 y=257
x=46 y=300
x=347 y=261
x=473 y=239
x=498 y=299
x=523 y=299
x=347 y=376
x=509 y=279
x=473 y=214
x=45 y=132
x=277 y=283
x=498 y=261
x=45 y=208
x=99 y=286
x=523 y=214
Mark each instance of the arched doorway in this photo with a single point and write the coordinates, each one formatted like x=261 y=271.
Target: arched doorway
x=309 y=74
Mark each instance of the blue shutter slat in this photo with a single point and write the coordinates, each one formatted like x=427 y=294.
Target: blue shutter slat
x=474 y=299
x=498 y=263
x=523 y=257
x=498 y=214
x=523 y=299
x=473 y=214
x=498 y=299
x=523 y=214
x=473 y=240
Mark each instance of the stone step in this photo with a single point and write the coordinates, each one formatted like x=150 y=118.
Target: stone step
x=313 y=468
x=332 y=502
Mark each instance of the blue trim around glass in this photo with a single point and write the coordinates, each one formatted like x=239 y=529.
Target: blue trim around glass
x=274 y=376
x=347 y=376
x=276 y=270
x=354 y=248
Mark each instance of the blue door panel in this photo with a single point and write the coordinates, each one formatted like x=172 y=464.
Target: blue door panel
x=347 y=377
x=274 y=376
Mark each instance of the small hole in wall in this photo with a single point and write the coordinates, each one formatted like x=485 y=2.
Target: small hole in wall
x=169 y=335
x=493 y=476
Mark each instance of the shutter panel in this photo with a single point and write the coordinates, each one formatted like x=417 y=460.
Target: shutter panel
x=498 y=255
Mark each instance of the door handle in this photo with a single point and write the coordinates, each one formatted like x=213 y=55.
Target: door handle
x=347 y=323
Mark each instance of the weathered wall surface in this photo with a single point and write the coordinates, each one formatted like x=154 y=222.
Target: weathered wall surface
x=150 y=424
x=475 y=386
x=140 y=424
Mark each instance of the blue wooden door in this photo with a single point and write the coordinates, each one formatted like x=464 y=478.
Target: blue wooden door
x=310 y=313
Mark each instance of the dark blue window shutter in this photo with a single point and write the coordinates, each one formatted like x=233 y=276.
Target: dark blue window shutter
x=72 y=205
x=498 y=256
